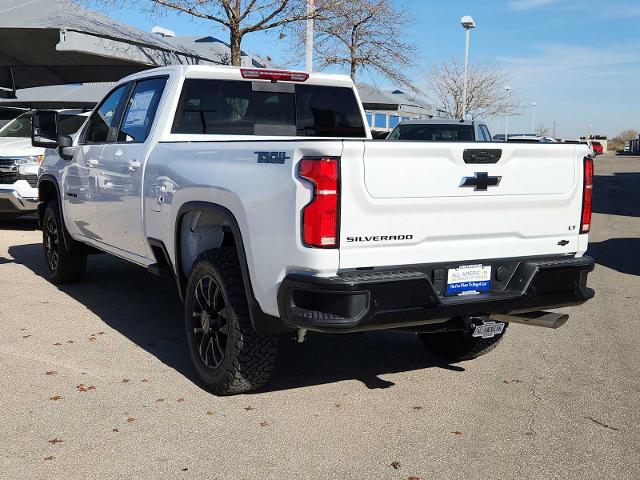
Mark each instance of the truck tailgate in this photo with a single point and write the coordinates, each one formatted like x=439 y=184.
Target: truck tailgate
x=404 y=203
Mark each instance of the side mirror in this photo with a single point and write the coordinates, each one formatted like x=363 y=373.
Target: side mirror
x=44 y=129
x=67 y=150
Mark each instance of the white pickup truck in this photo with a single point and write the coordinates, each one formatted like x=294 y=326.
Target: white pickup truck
x=262 y=193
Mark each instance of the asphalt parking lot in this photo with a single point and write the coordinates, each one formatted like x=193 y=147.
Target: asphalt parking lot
x=96 y=383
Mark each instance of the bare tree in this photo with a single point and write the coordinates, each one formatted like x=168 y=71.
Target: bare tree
x=361 y=35
x=486 y=93
x=239 y=17
x=543 y=130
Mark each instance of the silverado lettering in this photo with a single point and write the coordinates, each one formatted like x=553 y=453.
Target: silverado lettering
x=379 y=238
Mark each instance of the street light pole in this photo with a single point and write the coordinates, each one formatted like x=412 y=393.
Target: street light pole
x=309 y=38
x=467 y=23
x=506 y=116
x=533 y=117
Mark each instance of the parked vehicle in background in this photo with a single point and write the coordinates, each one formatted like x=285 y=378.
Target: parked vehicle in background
x=441 y=130
x=499 y=137
x=598 y=149
x=531 y=139
x=20 y=160
x=263 y=195
x=589 y=145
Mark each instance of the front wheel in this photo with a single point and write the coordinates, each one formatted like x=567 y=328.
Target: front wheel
x=228 y=355
x=63 y=266
x=460 y=345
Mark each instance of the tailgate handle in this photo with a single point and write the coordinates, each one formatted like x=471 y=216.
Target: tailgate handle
x=472 y=155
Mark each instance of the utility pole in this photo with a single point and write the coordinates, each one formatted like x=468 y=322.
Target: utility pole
x=467 y=23
x=533 y=117
x=506 y=117
x=309 y=39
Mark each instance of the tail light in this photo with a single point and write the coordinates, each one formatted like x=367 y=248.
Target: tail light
x=320 y=216
x=587 y=196
x=273 y=75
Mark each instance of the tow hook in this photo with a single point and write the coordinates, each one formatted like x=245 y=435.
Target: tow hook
x=302 y=335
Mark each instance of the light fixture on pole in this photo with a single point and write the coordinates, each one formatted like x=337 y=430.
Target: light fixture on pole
x=467 y=23
x=309 y=37
x=533 y=117
x=506 y=115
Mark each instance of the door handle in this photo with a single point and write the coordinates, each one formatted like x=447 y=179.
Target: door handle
x=134 y=165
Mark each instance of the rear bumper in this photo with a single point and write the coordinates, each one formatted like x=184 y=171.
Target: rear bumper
x=19 y=198
x=411 y=296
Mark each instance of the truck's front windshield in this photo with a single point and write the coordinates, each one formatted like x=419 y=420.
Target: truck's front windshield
x=20 y=127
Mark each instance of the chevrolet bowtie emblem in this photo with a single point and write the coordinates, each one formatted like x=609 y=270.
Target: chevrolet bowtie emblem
x=481 y=181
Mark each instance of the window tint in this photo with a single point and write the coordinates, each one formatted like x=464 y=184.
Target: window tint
x=19 y=127
x=141 y=110
x=70 y=124
x=275 y=113
x=433 y=133
x=233 y=108
x=485 y=133
x=103 y=118
x=214 y=106
x=328 y=112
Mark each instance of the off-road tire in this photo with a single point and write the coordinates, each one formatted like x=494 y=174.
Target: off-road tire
x=248 y=359
x=62 y=265
x=459 y=346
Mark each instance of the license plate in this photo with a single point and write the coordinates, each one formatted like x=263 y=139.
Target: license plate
x=469 y=280
x=488 y=329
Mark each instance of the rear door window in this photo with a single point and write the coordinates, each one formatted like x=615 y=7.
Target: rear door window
x=239 y=108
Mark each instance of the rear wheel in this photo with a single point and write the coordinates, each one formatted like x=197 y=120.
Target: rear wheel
x=228 y=355
x=460 y=345
x=63 y=266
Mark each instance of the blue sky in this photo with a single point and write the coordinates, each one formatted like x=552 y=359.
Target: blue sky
x=579 y=60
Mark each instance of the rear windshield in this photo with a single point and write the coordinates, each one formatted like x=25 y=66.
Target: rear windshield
x=20 y=127
x=433 y=133
x=237 y=108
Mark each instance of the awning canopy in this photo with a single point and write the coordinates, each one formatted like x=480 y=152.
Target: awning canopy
x=53 y=42
x=58 y=96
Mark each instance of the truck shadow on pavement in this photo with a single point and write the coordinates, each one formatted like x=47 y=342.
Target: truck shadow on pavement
x=617 y=194
x=146 y=309
x=619 y=254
